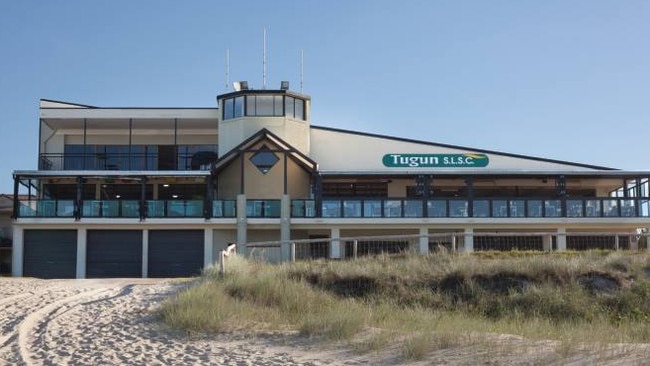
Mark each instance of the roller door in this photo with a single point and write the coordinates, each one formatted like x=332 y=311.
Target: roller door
x=114 y=253
x=175 y=253
x=50 y=253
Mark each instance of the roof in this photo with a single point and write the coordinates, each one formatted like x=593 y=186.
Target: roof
x=265 y=134
x=436 y=144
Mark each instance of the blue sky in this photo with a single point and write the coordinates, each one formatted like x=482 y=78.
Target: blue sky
x=567 y=80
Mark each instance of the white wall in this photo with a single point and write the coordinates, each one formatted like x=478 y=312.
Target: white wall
x=339 y=151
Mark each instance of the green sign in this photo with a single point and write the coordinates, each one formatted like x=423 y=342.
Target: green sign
x=435 y=160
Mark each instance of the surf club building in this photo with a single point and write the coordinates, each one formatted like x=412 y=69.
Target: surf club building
x=159 y=192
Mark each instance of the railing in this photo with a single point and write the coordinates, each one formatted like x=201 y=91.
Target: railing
x=123 y=161
x=47 y=208
x=348 y=208
x=263 y=208
x=489 y=208
x=453 y=241
x=110 y=208
x=125 y=208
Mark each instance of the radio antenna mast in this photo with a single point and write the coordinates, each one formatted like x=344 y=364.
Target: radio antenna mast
x=302 y=67
x=264 y=62
x=227 y=69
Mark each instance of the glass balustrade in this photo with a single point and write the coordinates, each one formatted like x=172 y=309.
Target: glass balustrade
x=347 y=208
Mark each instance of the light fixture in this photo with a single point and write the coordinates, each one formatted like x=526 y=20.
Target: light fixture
x=240 y=85
x=174 y=196
x=117 y=196
x=166 y=185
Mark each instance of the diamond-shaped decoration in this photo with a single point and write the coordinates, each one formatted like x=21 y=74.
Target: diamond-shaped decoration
x=264 y=159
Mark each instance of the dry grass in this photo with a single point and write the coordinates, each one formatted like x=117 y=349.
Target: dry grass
x=429 y=303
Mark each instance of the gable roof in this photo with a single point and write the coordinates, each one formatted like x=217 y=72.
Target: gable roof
x=262 y=135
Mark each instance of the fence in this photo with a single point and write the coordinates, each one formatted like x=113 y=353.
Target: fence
x=354 y=247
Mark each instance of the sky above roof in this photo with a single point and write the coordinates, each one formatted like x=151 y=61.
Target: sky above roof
x=566 y=80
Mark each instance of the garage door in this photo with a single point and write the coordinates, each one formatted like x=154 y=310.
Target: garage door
x=50 y=253
x=114 y=253
x=175 y=253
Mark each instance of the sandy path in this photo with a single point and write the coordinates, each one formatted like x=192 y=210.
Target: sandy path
x=112 y=322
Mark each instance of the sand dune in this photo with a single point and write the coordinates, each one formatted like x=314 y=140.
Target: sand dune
x=112 y=322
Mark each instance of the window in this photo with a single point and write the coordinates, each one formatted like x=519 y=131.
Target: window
x=233 y=108
x=264 y=105
x=264 y=159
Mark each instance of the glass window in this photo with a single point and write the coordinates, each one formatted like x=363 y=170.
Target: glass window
x=264 y=105
x=277 y=106
x=250 y=105
x=228 y=108
x=288 y=107
x=300 y=109
x=239 y=107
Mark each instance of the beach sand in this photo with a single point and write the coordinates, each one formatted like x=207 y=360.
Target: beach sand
x=113 y=322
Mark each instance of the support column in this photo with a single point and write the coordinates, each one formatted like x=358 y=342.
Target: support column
x=241 y=221
x=424 y=240
x=285 y=227
x=468 y=238
x=547 y=243
x=145 y=253
x=561 y=240
x=17 y=252
x=81 y=253
x=208 y=245
x=336 y=248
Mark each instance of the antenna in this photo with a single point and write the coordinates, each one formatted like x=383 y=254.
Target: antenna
x=264 y=61
x=227 y=69
x=302 y=68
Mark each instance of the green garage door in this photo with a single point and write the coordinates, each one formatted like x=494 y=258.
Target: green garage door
x=114 y=253
x=175 y=253
x=50 y=253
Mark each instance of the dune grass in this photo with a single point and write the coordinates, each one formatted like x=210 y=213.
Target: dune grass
x=429 y=302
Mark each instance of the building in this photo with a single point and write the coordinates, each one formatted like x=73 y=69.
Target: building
x=158 y=192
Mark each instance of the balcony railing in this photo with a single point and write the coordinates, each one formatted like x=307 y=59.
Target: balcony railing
x=125 y=208
x=346 y=208
x=263 y=208
x=489 y=208
x=125 y=161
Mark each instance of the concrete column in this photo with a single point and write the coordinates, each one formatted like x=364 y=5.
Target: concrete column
x=617 y=244
x=561 y=240
x=468 y=237
x=145 y=253
x=547 y=243
x=285 y=227
x=81 y=253
x=17 y=252
x=336 y=248
x=424 y=240
x=208 y=245
x=241 y=221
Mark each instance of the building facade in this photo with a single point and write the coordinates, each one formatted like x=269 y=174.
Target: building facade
x=158 y=192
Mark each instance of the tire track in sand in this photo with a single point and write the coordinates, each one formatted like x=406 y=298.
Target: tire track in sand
x=31 y=329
